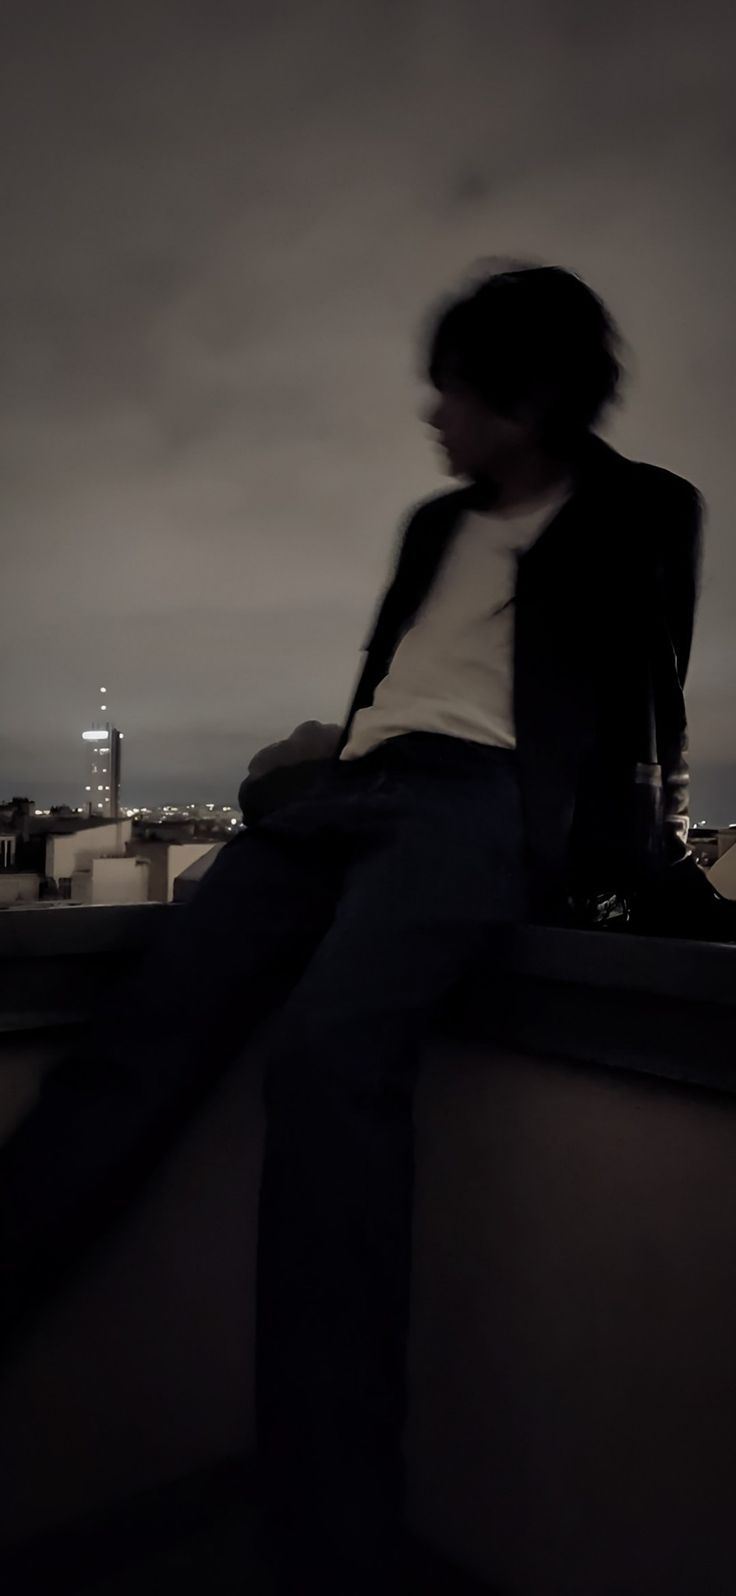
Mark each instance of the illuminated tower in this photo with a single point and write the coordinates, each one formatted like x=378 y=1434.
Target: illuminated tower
x=102 y=790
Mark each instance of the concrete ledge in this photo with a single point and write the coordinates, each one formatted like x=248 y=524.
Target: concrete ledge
x=60 y=931
x=655 y=1006
x=665 y=967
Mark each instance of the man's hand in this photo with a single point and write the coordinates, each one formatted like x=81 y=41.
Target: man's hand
x=311 y=740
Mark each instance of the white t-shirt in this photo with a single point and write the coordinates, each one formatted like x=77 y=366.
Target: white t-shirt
x=452 y=672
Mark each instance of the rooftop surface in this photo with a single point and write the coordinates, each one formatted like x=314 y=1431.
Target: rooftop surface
x=575 y=1238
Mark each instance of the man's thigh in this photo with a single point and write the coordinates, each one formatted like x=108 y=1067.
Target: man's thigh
x=224 y=960
x=415 y=913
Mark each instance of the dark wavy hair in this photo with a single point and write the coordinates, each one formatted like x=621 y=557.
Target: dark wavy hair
x=533 y=334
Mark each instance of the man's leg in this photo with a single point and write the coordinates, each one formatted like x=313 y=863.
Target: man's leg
x=150 y=1053
x=420 y=903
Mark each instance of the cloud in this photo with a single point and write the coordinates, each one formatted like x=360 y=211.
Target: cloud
x=224 y=229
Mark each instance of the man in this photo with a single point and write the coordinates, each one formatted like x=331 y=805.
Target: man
x=594 y=703
x=515 y=746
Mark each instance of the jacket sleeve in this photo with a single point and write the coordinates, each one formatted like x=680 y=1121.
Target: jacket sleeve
x=678 y=571
x=261 y=794
x=680 y=566
x=387 y=612
x=383 y=631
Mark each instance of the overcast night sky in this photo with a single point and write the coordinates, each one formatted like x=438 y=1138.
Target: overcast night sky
x=224 y=225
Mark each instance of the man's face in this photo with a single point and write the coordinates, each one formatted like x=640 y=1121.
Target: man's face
x=476 y=440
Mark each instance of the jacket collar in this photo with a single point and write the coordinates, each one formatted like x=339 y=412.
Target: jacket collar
x=598 y=468
x=596 y=473
x=595 y=464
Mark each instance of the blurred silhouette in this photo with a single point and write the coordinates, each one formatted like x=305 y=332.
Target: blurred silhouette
x=515 y=746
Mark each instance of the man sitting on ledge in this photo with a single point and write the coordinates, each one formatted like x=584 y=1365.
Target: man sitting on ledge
x=515 y=748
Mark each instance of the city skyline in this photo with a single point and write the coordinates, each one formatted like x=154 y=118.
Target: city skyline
x=128 y=806
x=222 y=261
x=709 y=805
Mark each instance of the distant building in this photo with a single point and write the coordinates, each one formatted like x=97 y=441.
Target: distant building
x=110 y=879
x=710 y=843
x=20 y=875
x=18 y=886
x=69 y=852
x=167 y=860
x=216 y=820
x=14 y=810
x=86 y=860
x=8 y=844
x=102 y=789
x=180 y=829
x=74 y=858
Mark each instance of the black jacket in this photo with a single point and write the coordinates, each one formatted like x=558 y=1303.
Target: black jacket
x=604 y=609
x=605 y=603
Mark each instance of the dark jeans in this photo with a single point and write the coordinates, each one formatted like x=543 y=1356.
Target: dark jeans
x=346 y=919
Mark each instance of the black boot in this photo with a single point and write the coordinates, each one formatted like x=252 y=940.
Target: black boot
x=682 y=902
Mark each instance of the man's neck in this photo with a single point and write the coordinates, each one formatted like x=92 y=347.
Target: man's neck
x=533 y=482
